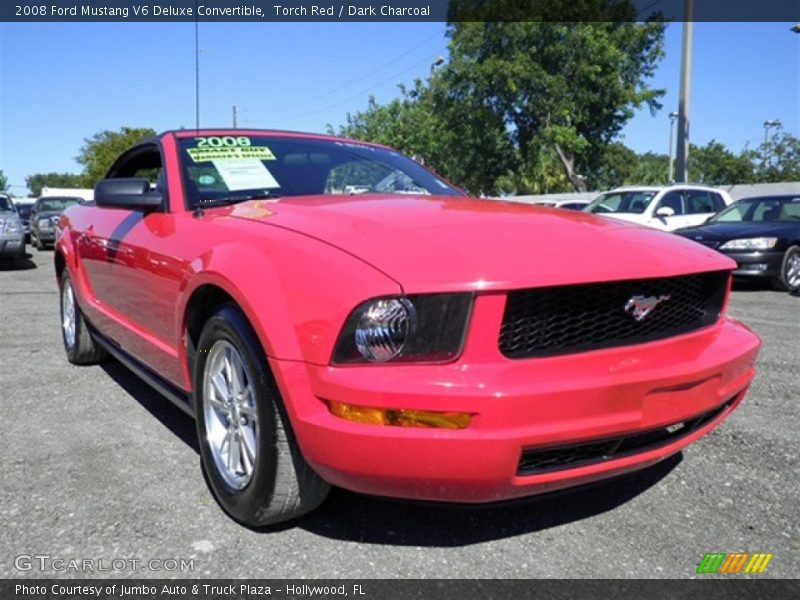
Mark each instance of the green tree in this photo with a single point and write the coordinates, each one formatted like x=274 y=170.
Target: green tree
x=779 y=159
x=650 y=168
x=563 y=88
x=3 y=181
x=714 y=164
x=99 y=151
x=463 y=142
x=37 y=181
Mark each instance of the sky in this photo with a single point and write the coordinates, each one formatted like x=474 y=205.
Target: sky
x=62 y=82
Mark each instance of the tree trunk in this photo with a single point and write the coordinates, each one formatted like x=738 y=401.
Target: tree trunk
x=568 y=162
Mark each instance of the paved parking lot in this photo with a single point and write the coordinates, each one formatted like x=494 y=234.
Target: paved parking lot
x=97 y=466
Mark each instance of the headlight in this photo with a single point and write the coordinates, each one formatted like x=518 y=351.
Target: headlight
x=43 y=223
x=762 y=243
x=11 y=226
x=424 y=328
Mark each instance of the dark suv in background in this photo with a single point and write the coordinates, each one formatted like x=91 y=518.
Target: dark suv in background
x=44 y=218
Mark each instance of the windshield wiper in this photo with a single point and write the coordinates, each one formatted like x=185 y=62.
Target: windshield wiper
x=228 y=200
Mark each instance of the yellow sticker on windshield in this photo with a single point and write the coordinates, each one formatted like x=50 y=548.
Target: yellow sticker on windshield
x=205 y=154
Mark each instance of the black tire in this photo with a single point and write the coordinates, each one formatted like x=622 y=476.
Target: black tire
x=282 y=486
x=83 y=350
x=786 y=281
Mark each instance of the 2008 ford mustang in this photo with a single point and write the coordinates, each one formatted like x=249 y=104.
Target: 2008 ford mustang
x=333 y=313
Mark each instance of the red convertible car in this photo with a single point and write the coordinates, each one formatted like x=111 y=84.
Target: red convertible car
x=332 y=313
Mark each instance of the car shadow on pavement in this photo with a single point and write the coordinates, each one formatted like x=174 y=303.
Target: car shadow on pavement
x=23 y=265
x=169 y=415
x=373 y=520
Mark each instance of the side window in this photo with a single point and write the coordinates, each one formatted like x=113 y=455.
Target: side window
x=700 y=202
x=673 y=200
x=719 y=203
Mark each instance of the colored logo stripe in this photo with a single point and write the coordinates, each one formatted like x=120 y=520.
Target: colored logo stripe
x=721 y=562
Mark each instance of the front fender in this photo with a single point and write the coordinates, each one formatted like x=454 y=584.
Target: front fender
x=296 y=291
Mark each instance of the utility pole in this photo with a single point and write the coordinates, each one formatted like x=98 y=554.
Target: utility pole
x=684 y=102
x=672 y=116
x=234 y=116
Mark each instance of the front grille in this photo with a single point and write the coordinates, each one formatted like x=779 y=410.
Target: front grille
x=535 y=461
x=576 y=318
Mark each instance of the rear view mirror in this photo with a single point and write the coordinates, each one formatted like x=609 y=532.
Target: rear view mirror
x=131 y=193
x=665 y=211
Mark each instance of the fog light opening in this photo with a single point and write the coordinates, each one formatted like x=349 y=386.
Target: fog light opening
x=399 y=417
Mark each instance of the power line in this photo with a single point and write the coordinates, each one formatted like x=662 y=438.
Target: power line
x=354 y=96
x=354 y=81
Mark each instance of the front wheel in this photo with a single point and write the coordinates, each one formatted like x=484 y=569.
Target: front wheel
x=247 y=446
x=789 y=279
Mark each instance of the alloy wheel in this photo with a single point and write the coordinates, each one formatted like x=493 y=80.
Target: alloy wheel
x=230 y=414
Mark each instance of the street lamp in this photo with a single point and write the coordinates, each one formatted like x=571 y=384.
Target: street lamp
x=769 y=124
x=672 y=116
x=438 y=61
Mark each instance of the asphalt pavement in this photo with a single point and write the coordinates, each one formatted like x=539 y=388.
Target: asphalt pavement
x=96 y=466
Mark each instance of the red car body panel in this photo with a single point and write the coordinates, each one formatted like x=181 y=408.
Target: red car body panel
x=298 y=266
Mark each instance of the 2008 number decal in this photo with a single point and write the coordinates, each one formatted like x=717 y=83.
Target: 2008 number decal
x=224 y=141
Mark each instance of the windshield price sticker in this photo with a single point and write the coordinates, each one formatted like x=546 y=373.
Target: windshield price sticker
x=205 y=154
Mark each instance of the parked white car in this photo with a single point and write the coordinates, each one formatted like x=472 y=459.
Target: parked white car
x=666 y=207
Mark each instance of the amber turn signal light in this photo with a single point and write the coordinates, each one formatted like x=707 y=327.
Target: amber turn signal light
x=399 y=417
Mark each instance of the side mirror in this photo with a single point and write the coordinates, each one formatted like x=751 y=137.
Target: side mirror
x=665 y=211
x=131 y=193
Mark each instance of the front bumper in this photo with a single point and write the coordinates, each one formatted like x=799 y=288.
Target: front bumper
x=46 y=236
x=757 y=264
x=12 y=244
x=519 y=406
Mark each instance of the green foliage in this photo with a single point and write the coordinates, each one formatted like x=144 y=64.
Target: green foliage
x=779 y=158
x=524 y=107
x=3 y=181
x=37 y=181
x=99 y=151
x=562 y=87
x=714 y=164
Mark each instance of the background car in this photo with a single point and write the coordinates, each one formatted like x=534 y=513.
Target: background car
x=12 y=233
x=44 y=218
x=668 y=208
x=762 y=234
x=24 y=209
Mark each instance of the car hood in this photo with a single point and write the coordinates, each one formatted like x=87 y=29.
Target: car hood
x=46 y=214
x=722 y=232
x=429 y=243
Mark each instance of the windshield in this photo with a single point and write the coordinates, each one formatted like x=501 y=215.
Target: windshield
x=620 y=202
x=5 y=204
x=217 y=167
x=56 y=204
x=757 y=210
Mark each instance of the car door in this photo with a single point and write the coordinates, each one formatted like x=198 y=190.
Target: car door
x=674 y=201
x=131 y=260
x=701 y=205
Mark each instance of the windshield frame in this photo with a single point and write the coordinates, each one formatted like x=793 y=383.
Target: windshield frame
x=393 y=161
